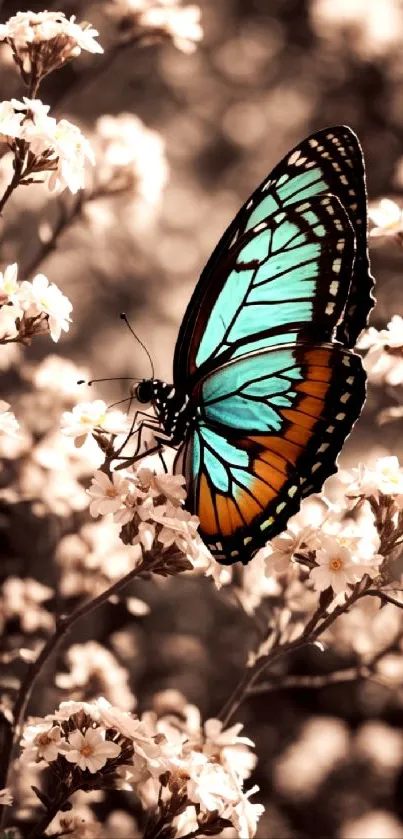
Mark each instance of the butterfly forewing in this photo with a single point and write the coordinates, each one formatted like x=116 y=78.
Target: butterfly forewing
x=329 y=162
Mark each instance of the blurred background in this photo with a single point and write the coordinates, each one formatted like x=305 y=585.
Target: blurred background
x=265 y=75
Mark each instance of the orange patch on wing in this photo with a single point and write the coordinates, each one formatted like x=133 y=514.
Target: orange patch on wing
x=223 y=515
x=298 y=435
x=312 y=406
x=299 y=418
x=206 y=510
x=270 y=475
x=289 y=451
x=318 y=389
x=274 y=460
x=262 y=492
x=234 y=515
x=319 y=374
x=320 y=356
x=248 y=506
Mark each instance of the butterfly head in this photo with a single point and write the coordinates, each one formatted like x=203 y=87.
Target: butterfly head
x=144 y=392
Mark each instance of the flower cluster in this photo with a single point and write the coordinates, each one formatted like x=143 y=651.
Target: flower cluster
x=131 y=157
x=202 y=769
x=44 y=146
x=384 y=359
x=166 y=18
x=43 y=41
x=31 y=308
x=149 y=506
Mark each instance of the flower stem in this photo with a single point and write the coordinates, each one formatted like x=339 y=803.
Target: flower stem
x=10 y=189
x=318 y=623
x=63 y=625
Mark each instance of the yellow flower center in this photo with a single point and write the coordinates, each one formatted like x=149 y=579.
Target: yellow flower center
x=336 y=563
x=111 y=492
x=86 y=751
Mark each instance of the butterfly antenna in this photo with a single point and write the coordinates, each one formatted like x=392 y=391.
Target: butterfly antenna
x=109 y=379
x=124 y=317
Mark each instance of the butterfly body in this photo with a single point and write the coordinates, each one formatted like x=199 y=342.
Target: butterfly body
x=266 y=386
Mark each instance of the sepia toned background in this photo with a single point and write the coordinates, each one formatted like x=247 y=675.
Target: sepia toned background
x=265 y=75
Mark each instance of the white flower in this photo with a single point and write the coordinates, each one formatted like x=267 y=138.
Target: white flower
x=64 y=146
x=108 y=495
x=8 y=423
x=209 y=784
x=22 y=599
x=245 y=815
x=386 y=478
x=72 y=150
x=41 y=741
x=10 y=122
x=90 y=750
x=26 y=28
x=384 y=359
x=9 y=314
x=41 y=297
x=129 y=726
x=6 y=798
x=68 y=709
x=92 y=664
x=9 y=287
x=182 y=24
x=387 y=217
x=234 y=751
x=130 y=150
x=338 y=567
x=88 y=416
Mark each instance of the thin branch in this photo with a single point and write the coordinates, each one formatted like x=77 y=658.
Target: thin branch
x=387 y=598
x=63 y=626
x=319 y=622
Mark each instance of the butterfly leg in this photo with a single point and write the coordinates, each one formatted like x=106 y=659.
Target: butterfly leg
x=128 y=461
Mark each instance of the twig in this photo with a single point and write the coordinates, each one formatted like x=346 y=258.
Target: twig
x=387 y=598
x=63 y=625
x=319 y=622
x=349 y=674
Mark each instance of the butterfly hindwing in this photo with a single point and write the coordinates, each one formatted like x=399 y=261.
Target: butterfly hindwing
x=329 y=162
x=271 y=426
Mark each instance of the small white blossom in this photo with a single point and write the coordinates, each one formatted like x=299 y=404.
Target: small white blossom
x=209 y=784
x=233 y=750
x=22 y=599
x=72 y=150
x=384 y=359
x=245 y=815
x=88 y=416
x=338 y=567
x=9 y=286
x=8 y=423
x=10 y=314
x=10 y=122
x=387 y=217
x=90 y=750
x=181 y=24
x=26 y=28
x=129 y=726
x=6 y=798
x=41 y=741
x=41 y=297
x=386 y=478
x=61 y=147
x=132 y=155
x=107 y=495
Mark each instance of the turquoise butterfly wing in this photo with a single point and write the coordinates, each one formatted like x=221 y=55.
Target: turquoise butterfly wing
x=264 y=349
x=270 y=427
x=329 y=162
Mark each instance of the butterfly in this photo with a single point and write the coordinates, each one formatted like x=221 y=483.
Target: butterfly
x=266 y=387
